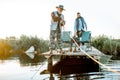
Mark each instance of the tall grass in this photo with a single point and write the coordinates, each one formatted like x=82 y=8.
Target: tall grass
x=25 y=42
x=106 y=45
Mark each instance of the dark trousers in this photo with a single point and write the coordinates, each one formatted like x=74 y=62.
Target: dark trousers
x=76 y=38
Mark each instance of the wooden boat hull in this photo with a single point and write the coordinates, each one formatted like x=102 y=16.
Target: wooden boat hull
x=74 y=65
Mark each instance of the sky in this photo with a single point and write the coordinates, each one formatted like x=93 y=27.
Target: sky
x=32 y=17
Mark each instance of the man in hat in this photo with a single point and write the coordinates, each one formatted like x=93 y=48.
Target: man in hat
x=57 y=22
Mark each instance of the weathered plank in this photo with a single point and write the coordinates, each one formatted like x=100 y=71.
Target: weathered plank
x=93 y=52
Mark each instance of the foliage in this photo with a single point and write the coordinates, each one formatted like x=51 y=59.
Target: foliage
x=107 y=45
x=4 y=50
x=13 y=45
x=25 y=42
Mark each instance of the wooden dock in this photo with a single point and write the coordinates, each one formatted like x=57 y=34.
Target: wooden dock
x=72 y=62
x=66 y=52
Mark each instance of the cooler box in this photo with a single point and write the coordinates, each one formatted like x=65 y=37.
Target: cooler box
x=86 y=37
x=66 y=36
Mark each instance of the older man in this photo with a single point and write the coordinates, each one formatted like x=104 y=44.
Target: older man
x=57 y=22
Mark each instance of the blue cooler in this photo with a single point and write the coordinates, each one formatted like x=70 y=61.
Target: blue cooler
x=66 y=36
x=86 y=37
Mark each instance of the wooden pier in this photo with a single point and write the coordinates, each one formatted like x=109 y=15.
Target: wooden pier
x=72 y=62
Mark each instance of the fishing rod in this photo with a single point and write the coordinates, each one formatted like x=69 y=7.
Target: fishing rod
x=38 y=69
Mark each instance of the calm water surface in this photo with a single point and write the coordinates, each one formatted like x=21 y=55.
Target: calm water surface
x=14 y=69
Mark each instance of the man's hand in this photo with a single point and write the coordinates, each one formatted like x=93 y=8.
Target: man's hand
x=62 y=23
x=85 y=29
x=75 y=33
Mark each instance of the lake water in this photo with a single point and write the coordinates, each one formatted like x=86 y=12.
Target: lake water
x=14 y=69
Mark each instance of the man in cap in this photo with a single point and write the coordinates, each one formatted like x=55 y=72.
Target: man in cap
x=57 y=22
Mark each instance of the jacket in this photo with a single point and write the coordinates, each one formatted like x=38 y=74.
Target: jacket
x=79 y=24
x=54 y=21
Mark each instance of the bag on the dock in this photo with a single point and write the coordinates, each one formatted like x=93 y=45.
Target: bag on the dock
x=77 y=39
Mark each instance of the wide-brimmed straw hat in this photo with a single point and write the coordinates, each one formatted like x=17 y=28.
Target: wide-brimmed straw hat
x=61 y=7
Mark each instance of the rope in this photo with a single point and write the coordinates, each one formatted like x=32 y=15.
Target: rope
x=113 y=70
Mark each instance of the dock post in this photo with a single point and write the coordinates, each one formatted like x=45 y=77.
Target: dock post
x=50 y=64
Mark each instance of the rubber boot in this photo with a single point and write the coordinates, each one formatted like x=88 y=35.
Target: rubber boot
x=60 y=50
x=70 y=49
x=75 y=49
x=51 y=51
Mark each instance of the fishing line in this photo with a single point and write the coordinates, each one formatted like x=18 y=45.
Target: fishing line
x=38 y=69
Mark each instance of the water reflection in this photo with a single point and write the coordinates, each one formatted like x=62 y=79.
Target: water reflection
x=27 y=61
x=24 y=68
x=20 y=68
